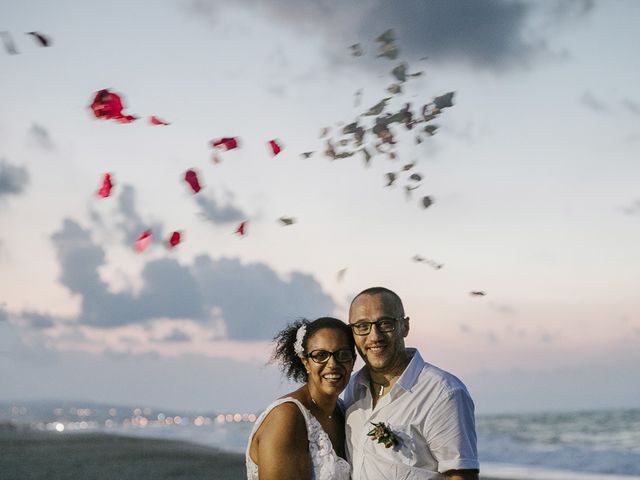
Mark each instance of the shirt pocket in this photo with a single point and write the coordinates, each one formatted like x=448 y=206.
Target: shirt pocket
x=405 y=451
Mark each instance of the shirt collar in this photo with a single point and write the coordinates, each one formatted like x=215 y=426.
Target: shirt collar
x=410 y=375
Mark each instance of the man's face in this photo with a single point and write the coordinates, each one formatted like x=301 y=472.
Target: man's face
x=381 y=351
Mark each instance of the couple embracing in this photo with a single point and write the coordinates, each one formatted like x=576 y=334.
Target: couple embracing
x=401 y=417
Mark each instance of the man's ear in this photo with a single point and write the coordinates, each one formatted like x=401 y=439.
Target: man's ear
x=406 y=327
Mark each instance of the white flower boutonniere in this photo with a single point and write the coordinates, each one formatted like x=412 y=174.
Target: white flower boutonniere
x=383 y=434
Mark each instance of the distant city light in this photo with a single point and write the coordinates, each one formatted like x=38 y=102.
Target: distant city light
x=59 y=427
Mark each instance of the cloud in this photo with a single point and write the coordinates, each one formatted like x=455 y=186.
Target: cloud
x=40 y=137
x=131 y=222
x=493 y=34
x=502 y=308
x=590 y=101
x=253 y=300
x=631 y=106
x=487 y=34
x=38 y=320
x=13 y=179
x=176 y=336
x=633 y=209
x=211 y=210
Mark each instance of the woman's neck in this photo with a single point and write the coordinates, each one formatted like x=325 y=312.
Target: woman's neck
x=323 y=402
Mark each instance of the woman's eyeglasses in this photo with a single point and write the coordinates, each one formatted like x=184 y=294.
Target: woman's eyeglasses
x=344 y=355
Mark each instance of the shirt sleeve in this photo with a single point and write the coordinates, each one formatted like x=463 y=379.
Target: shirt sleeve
x=451 y=434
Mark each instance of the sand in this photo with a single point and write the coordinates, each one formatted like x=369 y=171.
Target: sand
x=30 y=455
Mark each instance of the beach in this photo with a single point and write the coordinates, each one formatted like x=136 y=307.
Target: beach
x=32 y=455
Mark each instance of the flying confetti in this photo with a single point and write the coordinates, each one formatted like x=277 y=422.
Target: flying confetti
x=242 y=229
x=143 y=241
x=108 y=106
x=153 y=120
x=275 y=147
x=191 y=177
x=356 y=50
x=378 y=107
x=286 y=221
x=388 y=47
x=340 y=275
x=408 y=166
x=427 y=201
x=174 y=239
x=42 y=40
x=226 y=143
x=444 y=101
x=432 y=263
x=105 y=188
x=391 y=178
x=9 y=46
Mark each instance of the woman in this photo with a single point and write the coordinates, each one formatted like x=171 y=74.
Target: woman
x=301 y=436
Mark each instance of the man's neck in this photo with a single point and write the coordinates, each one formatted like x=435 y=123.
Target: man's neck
x=390 y=375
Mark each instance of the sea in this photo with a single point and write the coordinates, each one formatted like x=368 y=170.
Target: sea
x=589 y=445
x=602 y=445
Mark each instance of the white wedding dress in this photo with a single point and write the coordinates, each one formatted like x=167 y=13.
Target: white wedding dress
x=327 y=465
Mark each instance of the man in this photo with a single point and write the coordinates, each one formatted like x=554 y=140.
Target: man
x=428 y=414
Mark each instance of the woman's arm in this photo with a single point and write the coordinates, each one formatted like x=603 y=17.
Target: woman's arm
x=283 y=447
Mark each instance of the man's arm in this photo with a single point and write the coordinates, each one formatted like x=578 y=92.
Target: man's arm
x=283 y=446
x=450 y=433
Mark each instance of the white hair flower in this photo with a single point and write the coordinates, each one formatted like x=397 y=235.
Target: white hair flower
x=297 y=347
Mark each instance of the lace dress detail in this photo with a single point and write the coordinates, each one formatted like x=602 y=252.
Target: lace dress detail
x=327 y=465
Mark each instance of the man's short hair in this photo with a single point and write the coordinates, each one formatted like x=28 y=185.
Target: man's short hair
x=385 y=292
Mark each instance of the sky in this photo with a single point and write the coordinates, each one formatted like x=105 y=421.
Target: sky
x=533 y=173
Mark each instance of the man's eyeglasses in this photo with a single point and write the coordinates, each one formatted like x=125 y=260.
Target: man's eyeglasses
x=344 y=355
x=384 y=324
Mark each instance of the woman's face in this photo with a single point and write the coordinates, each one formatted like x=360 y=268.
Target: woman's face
x=332 y=376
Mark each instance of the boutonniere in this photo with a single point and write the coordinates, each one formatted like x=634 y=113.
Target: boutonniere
x=383 y=434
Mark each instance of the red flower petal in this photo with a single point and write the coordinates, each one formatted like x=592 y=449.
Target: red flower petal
x=174 y=239
x=153 y=120
x=143 y=241
x=228 y=143
x=241 y=230
x=108 y=105
x=107 y=185
x=191 y=177
x=275 y=147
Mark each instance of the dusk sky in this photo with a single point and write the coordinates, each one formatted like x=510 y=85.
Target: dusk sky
x=534 y=175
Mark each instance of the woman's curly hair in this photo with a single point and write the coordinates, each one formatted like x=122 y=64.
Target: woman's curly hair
x=284 y=352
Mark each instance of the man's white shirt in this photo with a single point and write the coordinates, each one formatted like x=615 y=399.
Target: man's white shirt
x=431 y=413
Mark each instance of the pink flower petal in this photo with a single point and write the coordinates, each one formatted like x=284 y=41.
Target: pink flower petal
x=143 y=241
x=191 y=177
x=107 y=185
